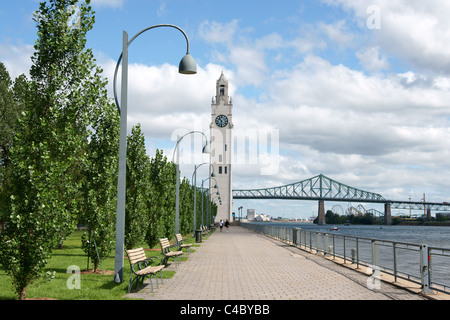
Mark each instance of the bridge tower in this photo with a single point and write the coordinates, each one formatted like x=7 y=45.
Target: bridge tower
x=321 y=214
x=387 y=214
x=221 y=149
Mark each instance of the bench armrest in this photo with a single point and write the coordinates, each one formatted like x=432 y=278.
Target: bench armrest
x=144 y=263
x=151 y=258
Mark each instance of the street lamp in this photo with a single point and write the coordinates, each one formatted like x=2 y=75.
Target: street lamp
x=215 y=187
x=217 y=197
x=194 y=179
x=187 y=66
x=211 y=199
x=206 y=149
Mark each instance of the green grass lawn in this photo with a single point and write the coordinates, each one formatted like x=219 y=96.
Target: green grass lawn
x=93 y=286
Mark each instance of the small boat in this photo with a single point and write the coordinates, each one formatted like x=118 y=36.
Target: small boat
x=334 y=229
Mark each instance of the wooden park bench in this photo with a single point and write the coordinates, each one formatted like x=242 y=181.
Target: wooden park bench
x=205 y=230
x=180 y=244
x=141 y=268
x=167 y=253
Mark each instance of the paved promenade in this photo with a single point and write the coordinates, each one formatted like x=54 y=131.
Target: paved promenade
x=243 y=265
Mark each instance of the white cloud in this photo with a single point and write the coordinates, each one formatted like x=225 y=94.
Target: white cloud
x=250 y=65
x=248 y=58
x=416 y=31
x=337 y=32
x=371 y=60
x=216 y=32
x=162 y=100
x=385 y=133
x=367 y=131
x=108 y=3
x=16 y=58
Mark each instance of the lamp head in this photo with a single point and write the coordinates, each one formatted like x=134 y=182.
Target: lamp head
x=207 y=148
x=187 y=65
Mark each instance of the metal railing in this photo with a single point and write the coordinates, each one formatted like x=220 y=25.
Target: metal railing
x=427 y=266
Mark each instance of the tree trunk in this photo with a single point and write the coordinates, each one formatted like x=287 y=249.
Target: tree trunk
x=22 y=294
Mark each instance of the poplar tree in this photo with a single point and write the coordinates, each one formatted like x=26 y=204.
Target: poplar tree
x=98 y=212
x=12 y=97
x=162 y=203
x=138 y=189
x=186 y=207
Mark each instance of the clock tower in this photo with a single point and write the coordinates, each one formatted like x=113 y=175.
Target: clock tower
x=221 y=150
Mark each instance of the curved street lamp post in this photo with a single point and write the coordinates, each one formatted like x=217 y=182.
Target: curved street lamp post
x=215 y=187
x=187 y=66
x=194 y=179
x=206 y=149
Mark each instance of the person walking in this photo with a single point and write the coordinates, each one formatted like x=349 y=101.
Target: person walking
x=220 y=225
x=227 y=225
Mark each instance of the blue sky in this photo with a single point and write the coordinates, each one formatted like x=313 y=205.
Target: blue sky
x=357 y=90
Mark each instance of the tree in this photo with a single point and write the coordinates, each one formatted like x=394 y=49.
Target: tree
x=49 y=146
x=100 y=185
x=12 y=100
x=186 y=207
x=138 y=189
x=333 y=218
x=162 y=201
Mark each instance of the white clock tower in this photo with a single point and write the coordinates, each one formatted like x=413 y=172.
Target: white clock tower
x=221 y=150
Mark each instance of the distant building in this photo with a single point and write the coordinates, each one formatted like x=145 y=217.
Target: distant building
x=262 y=218
x=251 y=214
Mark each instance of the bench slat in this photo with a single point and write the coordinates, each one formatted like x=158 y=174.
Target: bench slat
x=149 y=270
x=136 y=255
x=164 y=243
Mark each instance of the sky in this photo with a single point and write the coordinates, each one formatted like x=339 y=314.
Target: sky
x=356 y=90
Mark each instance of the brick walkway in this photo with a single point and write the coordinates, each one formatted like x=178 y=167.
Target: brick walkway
x=242 y=265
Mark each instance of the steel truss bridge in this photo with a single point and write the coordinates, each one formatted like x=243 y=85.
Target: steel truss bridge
x=321 y=188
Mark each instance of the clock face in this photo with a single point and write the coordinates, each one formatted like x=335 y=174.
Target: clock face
x=221 y=121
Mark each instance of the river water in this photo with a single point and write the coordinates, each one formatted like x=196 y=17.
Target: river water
x=407 y=261
x=430 y=235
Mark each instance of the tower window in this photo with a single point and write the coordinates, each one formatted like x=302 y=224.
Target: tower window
x=220 y=158
x=222 y=90
x=226 y=170
x=220 y=170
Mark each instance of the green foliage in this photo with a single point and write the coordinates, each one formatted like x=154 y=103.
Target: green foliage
x=367 y=219
x=138 y=189
x=162 y=201
x=442 y=217
x=48 y=152
x=100 y=185
x=334 y=218
x=58 y=166
x=186 y=207
x=12 y=100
